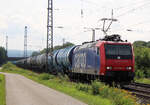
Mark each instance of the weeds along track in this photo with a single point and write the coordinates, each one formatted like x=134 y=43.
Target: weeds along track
x=142 y=91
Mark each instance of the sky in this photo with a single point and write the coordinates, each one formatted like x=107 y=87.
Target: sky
x=16 y=14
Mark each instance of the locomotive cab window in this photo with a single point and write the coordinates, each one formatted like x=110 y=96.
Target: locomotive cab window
x=98 y=51
x=118 y=51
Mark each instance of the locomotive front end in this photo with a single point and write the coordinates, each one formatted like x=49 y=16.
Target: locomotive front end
x=117 y=61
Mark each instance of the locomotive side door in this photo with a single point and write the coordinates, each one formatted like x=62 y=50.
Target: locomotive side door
x=97 y=60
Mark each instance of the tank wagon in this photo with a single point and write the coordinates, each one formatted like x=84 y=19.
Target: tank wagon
x=107 y=59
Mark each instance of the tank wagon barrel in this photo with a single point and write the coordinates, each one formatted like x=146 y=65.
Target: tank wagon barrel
x=62 y=58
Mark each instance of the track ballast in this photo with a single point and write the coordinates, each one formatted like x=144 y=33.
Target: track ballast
x=142 y=91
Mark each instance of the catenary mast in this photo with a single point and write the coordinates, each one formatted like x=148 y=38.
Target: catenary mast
x=25 y=42
x=49 y=44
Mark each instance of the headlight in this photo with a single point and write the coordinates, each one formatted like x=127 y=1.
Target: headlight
x=109 y=68
x=129 y=68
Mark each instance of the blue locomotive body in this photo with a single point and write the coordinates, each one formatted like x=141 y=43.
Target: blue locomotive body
x=86 y=60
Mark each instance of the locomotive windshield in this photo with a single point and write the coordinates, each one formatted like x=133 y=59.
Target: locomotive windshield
x=118 y=51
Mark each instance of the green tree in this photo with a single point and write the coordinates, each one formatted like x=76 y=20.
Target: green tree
x=142 y=60
x=35 y=53
x=148 y=44
x=140 y=43
x=67 y=44
x=3 y=56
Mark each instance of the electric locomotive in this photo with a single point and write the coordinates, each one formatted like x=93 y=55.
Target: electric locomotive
x=108 y=59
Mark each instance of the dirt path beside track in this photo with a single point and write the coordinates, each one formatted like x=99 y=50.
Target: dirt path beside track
x=23 y=91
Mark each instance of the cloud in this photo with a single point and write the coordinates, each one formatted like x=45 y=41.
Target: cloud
x=3 y=22
x=16 y=14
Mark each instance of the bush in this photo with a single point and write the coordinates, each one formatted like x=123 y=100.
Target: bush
x=83 y=87
x=8 y=66
x=139 y=74
x=148 y=73
x=117 y=96
x=105 y=91
x=63 y=78
x=45 y=76
x=95 y=87
x=66 y=78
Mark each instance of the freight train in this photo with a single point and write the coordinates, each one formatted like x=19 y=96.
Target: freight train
x=108 y=59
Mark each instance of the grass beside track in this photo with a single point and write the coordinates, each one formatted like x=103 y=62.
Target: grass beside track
x=2 y=90
x=95 y=94
x=143 y=80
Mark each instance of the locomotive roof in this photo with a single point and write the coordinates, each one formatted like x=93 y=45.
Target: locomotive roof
x=99 y=42
x=113 y=42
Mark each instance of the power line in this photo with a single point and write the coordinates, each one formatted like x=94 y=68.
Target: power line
x=133 y=9
x=139 y=23
x=129 y=5
x=90 y=2
x=126 y=6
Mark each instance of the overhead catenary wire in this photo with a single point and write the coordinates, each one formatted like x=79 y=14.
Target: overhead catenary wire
x=129 y=10
x=130 y=27
x=133 y=9
x=129 y=5
x=139 y=23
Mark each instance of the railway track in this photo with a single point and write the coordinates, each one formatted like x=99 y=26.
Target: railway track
x=142 y=91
